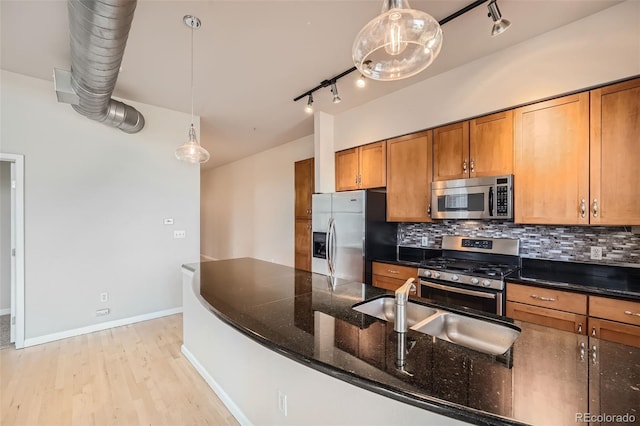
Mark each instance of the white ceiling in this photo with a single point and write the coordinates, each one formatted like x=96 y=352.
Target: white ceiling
x=253 y=57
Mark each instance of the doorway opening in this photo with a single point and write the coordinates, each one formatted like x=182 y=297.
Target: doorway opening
x=12 y=250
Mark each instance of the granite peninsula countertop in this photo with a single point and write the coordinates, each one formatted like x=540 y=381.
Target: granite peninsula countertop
x=548 y=376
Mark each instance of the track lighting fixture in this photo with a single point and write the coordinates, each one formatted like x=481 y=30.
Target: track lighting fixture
x=500 y=24
x=334 y=90
x=397 y=40
x=398 y=43
x=309 y=108
x=191 y=151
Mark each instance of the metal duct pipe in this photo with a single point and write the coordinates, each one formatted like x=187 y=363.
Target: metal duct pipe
x=98 y=33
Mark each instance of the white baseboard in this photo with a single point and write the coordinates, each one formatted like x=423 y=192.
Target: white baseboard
x=231 y=406
x=205 y=257
x=5 y=311
x=32 y=341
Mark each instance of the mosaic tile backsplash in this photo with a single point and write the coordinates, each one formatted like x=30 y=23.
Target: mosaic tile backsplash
x=620 y=246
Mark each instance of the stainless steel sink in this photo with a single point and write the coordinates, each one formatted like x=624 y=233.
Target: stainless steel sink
x=384 y=308
x=483 y=335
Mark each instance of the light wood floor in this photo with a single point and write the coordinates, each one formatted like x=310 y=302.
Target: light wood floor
x=131 y=375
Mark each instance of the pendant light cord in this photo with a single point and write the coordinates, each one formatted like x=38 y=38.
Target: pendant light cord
x=192 y=30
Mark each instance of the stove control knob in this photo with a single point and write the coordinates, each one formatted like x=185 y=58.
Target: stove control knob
x=436 y=275
x=427 y=273
x=474 y=281
x=454 y=277
x=486 y=283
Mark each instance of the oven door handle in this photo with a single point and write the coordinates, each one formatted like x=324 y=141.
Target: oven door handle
x=458 y=290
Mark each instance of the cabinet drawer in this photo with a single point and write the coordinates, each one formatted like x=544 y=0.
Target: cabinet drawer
x=548 y=298
x=395 y=271
x=615 y=332
x=392 y=284
x=567 y=321
x=614 y=309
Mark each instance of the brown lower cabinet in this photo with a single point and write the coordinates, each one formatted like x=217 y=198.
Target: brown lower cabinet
x=606 y=318
x=391 y=277
x=302 y=256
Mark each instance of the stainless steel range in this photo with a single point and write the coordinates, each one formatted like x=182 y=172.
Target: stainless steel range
x=471 y=272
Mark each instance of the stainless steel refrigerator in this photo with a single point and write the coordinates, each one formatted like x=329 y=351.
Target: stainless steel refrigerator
x=349 y=231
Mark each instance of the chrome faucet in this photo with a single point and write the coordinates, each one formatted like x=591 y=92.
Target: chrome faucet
x=402 y=296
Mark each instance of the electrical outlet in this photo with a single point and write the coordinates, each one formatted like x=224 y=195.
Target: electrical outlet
x=425 y=241
x=102 y=312
x=104 y=297
x=179 y=234
x=282 y=403
x=596 y=253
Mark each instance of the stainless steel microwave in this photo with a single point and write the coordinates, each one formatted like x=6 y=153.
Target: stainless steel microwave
x=476 y=198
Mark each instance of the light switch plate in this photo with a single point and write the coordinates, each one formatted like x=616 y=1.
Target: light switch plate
x=168 y=221
x=425 y=241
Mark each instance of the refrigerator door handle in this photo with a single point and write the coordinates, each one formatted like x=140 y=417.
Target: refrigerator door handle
x=328 y=245
x=333 y=247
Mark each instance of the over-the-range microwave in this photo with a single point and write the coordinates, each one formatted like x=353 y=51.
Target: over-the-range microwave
x=475 y=198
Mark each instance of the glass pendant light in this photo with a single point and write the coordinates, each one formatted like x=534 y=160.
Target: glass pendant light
x=191 y=151
x=398 y=43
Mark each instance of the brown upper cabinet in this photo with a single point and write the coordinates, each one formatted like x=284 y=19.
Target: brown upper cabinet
x=614 y=191
x=479 y=147
x=552 y=161
x=304 y=187
x=576 y=158
x=409 y=178
x=362 y=167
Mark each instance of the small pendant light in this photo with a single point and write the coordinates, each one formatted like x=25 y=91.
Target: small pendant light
x=398 y=43
x=191 y=151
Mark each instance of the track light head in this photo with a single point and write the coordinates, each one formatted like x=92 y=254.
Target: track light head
x=334 y=90
x=361 y=82
x=309 y=107
x=500 y=24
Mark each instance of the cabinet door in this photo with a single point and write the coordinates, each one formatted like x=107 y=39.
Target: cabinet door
x=612 y=331
x=373 y=165
x=347 y=169
x=567 y=321
x=491 y=145
x=552 y=161
x=304 y=187
x=451 y=151
x=409 y=178
x=615 y=154
x=302 y=258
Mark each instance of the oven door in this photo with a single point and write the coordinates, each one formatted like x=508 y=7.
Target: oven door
x=445 y=294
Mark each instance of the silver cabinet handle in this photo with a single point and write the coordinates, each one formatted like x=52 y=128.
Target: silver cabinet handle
x=580 y=328
x=543 y=298
x=356 y=179
x=582 y=351
x=594 y=354
x=595 y=207
x=391 y=271
x=464 y=166
x=635 y=314
x=429 y=210
x=583 y=208
x=473 y=166
x=593 y=332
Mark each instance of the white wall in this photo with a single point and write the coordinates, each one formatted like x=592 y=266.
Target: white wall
x=247 y=205
x=5 y=236
x=600 y=48
x=95 y=199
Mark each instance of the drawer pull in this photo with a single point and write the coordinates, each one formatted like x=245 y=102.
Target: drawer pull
x=579 y=328
x=635 y=314
x=543 y=298
x=391 y=271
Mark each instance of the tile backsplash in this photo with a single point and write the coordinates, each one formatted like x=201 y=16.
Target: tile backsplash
x=620 y=246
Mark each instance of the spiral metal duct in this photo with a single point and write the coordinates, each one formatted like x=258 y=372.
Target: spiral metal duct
x=98 y=33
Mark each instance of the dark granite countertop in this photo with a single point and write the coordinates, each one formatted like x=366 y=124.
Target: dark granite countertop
x=543 y=379
x=595 y=279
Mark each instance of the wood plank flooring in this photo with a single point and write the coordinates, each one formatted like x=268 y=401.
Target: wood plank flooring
x=131 y=375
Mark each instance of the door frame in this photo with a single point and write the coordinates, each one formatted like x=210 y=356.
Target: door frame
x=17 y=225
